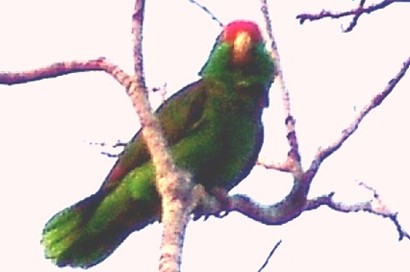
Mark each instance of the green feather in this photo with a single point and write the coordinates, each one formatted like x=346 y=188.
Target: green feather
x=259 y=71
x=215 y=132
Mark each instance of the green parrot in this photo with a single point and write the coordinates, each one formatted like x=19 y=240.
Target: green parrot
x=214 y=130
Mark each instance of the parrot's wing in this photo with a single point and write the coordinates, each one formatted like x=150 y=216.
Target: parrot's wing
x=180 y=114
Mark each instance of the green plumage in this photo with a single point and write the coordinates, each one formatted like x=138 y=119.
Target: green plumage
x=214 y=130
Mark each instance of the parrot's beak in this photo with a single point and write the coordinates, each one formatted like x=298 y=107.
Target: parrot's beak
x=241 y=48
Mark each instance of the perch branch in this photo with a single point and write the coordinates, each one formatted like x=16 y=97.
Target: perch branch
x=296 y=201
x=277 y=214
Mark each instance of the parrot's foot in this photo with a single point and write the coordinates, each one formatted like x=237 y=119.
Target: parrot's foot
x=214 y=203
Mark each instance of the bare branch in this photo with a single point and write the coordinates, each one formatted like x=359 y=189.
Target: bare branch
x=296 y=201
x=283 y=167
x=288 y=166
x=400 y=230
x=269 y=256
x=356 y=13
x=173 y=185
x=207 y=11
x=136 y=29
x=65 y=68
x=322 y=154
x=293 y=154
x=277 y=214
x=294 y=204
x=374 y=206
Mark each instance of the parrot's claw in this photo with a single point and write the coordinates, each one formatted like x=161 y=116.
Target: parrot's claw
x=214 y=203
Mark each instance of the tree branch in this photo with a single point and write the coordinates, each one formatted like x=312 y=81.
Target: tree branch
x=173 y=185
x=296 y=201
x=283 y=167
x=207 y=11
x=277 y=214
x=269 y=256
x=293 y=163
x=179 y=198
x=374 y=206
x=322 y=154
x=356 y=13
x=65 y=68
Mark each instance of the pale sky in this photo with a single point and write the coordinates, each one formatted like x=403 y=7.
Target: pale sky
x=47 y=163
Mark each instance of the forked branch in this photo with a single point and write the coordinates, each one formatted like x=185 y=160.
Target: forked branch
x=356 y=13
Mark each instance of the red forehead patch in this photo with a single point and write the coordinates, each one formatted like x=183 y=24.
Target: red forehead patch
x=231 y=30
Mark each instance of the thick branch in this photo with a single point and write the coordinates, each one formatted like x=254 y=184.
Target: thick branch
x=173 y=185
x=296 y=203
x=277 y=214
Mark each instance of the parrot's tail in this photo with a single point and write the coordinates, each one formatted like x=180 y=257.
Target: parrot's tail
x=89 y=231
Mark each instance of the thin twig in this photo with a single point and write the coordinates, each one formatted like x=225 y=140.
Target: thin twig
x=356 y=13
x=374 y=206
x=283 y=167
x=356 y=17
x=207 y=11
x=293 y=154
x=322 y=154
x=270 y=256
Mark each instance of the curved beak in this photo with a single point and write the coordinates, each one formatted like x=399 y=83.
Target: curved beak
x=241 y=48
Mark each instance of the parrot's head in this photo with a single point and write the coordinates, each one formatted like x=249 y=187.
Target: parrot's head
x=239 y=57
x=241 y=36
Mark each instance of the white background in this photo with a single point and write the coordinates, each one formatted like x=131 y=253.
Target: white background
x=47 y=163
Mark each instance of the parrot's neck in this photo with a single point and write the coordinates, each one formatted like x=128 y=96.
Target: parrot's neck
x=219 y=67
